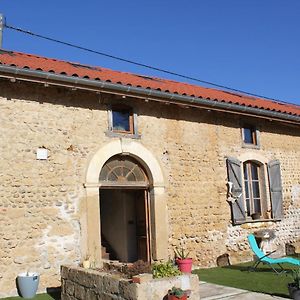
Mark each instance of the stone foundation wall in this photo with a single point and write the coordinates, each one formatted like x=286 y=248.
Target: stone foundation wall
x=83 y=284
x=43 y=218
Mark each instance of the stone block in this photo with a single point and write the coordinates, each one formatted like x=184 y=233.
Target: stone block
x=64 y=272
x=79 y=292
x=106 y=296
x=99 y=284
x=91 y=295
x=75 y=275
x=67 y=297
x=111 y=284
x=223 y=260
x=85 y=279
x=69 y=288
x=128 y=290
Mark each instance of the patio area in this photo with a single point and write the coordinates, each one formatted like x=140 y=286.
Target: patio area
x=264 y=280
x=210 y=291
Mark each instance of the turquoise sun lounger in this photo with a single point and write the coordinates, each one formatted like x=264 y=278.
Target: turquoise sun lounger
x=264 y=258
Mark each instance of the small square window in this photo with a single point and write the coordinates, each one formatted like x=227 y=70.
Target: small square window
x=122 y=120
x=249 y=134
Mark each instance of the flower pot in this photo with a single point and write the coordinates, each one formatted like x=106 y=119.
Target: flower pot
x=255 y=216
x=294 y=291
x=172 y=297
x=27 y=284
x=184 y=265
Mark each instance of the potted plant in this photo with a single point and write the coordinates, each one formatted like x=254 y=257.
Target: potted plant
x=27 y=284
x=255 y=216
x=294 y=287
x=165 y=269
x=176 y=293
x=183 y=261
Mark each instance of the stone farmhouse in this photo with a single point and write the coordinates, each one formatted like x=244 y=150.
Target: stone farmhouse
x=113 y=165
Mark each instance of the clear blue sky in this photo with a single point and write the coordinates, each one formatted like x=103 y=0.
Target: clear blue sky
x=252 y=45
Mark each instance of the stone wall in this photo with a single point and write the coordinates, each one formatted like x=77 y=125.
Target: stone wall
x=42 y=203
x=84 y=284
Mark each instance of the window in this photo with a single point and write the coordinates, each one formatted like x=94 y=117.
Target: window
x=122 y=119
x=250 y=136
x=254 y=190
x=123 y=171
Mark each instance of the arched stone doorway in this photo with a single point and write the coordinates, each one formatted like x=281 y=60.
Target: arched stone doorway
x=90 y=220
x=125 y=210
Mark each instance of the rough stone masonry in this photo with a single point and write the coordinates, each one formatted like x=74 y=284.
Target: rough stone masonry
x=82 y=284
x=43 y=218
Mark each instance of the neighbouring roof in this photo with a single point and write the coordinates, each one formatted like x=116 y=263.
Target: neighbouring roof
x=39 y=63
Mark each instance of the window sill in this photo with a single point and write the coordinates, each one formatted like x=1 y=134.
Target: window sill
x=259 y=220
x=250 y=221
x=122 y=134
x=250 y=146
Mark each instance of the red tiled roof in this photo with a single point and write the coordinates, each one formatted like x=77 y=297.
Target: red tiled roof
x=33 y=62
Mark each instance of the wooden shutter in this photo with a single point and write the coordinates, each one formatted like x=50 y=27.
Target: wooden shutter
x=275 y=189
x=234 y=170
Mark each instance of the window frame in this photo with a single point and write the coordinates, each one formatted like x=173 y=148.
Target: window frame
x=120 y=108
x=255 y=136
x=132 y=133
x=118 y=166
x=262 y=187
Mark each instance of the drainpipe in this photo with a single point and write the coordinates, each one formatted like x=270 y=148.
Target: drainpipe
x=2 y=26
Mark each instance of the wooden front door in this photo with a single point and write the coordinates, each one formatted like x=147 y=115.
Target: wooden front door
x=142 y=226
x=125 y=224
x=124 y=208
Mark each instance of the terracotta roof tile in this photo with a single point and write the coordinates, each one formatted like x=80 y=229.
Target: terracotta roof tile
x=33 y=62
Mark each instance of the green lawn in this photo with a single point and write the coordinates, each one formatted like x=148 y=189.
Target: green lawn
x=264 y=280
x=53 y=293
x=37 y=297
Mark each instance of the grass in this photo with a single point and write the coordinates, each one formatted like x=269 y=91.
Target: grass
x=52 y=294
x=263 y=280
x=37 y=297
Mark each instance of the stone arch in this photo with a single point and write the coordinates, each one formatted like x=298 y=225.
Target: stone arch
x=159 y=227
x=254 y=156
x=132 y=148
